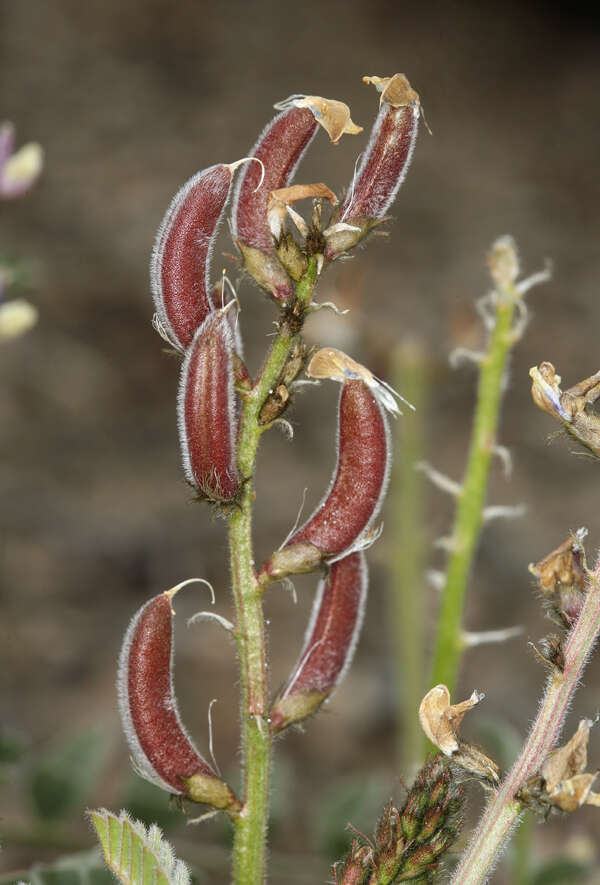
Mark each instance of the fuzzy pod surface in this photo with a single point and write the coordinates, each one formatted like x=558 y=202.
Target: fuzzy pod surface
x=180 y=264
x=206 y=411
x=329 y=643
x=354 y=498
x=382 y=170
x=161 y=748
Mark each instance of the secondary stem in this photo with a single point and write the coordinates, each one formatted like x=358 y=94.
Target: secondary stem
x=249 y=847
x=504 y=809
x=470 y=502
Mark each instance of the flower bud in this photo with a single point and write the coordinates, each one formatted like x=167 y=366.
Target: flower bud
x=206 y=411
x=180 y=264
x=280 y=148
x=19 y=170
x=161 y=749
x=383 y=167
x=329 y=643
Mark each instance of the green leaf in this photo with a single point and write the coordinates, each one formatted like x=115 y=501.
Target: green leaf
x=562 y=871
x=60 y=782
x=136 y=855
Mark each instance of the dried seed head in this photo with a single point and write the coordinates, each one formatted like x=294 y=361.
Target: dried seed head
x=383 y=166
x=161 y=749
x=329 y=643
x=207 y=411
x=441 y=720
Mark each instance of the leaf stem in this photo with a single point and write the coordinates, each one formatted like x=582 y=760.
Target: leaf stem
x=503 y=811
x=249 y=848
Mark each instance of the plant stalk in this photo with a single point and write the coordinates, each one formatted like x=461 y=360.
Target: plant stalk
x=503 y=811
x=249 y=848
x=471 y=499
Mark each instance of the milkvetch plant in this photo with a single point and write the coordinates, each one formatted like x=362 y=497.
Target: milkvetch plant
x=222 y=413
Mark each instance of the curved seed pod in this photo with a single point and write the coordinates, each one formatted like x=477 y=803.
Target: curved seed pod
x=350 y=507
x=206 y=411
x=161 y=749
x=329 y=643
x=280 y=148
x=383 y=167
x=179 y=268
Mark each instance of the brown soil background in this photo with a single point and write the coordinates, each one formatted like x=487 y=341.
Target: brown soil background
x=129 y=99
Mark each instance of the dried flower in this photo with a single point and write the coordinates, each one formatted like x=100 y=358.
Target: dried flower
x=562 y=579
x=566 y=784
x=570 y=407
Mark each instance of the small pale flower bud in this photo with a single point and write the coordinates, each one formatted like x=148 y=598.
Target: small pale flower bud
x=503 y=262
x=20 y=170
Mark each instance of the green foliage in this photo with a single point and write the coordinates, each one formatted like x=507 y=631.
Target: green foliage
x=60 y=781
x=136 y=855
x=562 y=871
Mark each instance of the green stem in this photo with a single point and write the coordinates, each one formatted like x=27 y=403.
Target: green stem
x=503 y=811
x=470 y=502
x=407 y=608
x=249 y=847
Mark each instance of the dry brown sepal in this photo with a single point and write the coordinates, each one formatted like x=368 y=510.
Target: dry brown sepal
x=571 y=406
x=441 y=721
x=562 y=579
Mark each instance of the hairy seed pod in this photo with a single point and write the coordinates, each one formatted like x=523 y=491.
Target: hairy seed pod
x=352 y=503
x=180 y=265
x=206 y=411
x=161 y=749
x=383 y=167
x=329 y=643
x=280 y=148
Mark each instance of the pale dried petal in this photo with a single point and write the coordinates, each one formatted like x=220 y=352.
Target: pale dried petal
x=546 y=391
x=395 y=90
x=440 y=720
x=333 y=116
x=567 y=761
x=570 y=794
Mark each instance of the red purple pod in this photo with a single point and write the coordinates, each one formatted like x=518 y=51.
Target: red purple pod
x=329 y=643
x=383 y=167
x=280 y=148
x=206 y=411
x=161 y=749
x=180 y=264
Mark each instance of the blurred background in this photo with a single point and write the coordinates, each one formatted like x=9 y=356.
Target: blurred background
x=131 y=97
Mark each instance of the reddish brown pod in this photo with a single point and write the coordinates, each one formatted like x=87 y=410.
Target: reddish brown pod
x=350 y=507
x=329 y=643
x=161 y=749
x=206 y=411
x=383 y=167
x=280 y=148
x=180 y=264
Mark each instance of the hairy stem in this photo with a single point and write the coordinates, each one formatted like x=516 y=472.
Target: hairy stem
x=470 y=501
x=504 y=809
x=249 y=847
